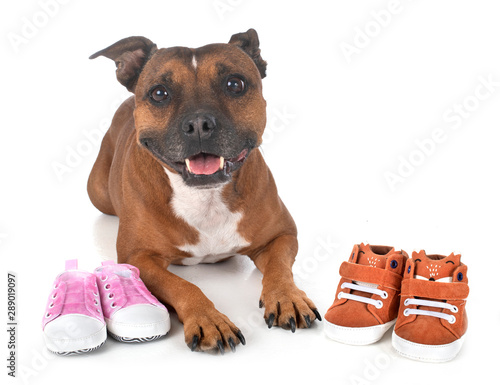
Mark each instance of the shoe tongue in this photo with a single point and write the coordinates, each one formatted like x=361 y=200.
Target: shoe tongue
x=120 y=269
x=71 y=264
x=434 y=267
x=374 y=256
x=204 y=164
x=124 y=273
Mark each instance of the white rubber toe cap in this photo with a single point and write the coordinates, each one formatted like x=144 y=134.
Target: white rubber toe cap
x=138 y=323
x=74 y=333
x=427 y=353
x=358 y=335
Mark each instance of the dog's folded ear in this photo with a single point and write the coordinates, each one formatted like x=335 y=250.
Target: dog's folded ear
x=249 y=42
x=130 y=55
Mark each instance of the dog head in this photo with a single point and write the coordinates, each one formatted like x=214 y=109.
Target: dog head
x=199 y=112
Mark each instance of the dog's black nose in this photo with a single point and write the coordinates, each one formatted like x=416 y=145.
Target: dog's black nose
x=199 y=125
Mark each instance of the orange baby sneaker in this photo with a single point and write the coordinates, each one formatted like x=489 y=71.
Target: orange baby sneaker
x=432 y=320
x=367 y=298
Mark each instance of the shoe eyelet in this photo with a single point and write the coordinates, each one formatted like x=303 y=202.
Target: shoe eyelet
x=460 y=276
x=452 y=320
x=110 y=295
x=340 y=296
x=51 y=305
x=107 y=286
x=113 y=305
x=394 y=263
x=384 y=295
x=379 y=305
x=342 y=286
x=406 y=313
x=409 y=269
x=96 y=294
x=95 y=302
x=54 y=296
x=454 y=310
x=98 y=311
x=407 y=301
x=104 y=278
x=56 y=286
x=48 y=315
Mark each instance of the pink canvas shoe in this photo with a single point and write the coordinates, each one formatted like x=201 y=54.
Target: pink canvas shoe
x=131 y=312
x=73 y=321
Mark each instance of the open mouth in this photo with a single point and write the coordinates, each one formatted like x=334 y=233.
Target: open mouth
x=209 y=164
x=203 y=169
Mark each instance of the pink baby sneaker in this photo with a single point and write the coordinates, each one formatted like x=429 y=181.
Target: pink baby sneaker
x=73 y=321
x=131 y=312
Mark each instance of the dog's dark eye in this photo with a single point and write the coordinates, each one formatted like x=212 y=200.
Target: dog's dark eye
x=158 y=94
x=235 y=85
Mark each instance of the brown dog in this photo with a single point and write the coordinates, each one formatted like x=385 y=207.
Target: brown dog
x=181 y=168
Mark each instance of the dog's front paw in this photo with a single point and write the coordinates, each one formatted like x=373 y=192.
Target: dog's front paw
x=211 y=331
x=289 y=308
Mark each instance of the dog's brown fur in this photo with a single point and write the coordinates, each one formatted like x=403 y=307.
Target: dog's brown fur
x=128 y=181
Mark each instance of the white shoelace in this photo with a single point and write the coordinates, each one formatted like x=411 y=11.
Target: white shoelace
x=422 y=302
x=355 y=286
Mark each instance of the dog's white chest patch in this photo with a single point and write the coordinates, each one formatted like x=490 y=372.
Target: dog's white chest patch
x=205 y=210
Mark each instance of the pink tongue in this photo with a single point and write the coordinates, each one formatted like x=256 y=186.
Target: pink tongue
x=204 y=164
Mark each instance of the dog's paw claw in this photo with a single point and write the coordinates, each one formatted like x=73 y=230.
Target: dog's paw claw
x=240 y=336
x=270 y=320
x=308 y=321
x=220 y=345
x=194 y=343
x=316 y=313
x=289 y=309
x=231 y=344
x=212 y=332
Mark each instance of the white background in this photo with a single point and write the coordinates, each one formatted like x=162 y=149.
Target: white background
x=338 y=123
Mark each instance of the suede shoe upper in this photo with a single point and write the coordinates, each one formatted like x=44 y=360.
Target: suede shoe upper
x=433 y=298
x=379 y=268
